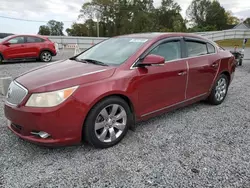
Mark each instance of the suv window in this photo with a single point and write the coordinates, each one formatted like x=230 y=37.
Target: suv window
x=16 y=40
x=169 y=50
x=210 y=48
x=196 y=48
x=34 y=40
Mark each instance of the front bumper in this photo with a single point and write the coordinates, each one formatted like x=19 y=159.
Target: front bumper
x=64 y=123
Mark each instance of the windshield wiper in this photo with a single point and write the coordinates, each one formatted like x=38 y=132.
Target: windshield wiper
x=94 y=62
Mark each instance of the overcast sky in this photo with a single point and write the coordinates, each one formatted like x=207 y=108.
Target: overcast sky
x=62 y=10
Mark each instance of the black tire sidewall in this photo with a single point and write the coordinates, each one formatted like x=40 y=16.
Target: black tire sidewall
x=41 y=56
x=212 y=99
x=1 y=59
x=89 y=129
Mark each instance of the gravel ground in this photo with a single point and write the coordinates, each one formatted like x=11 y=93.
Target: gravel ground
x=196 y=146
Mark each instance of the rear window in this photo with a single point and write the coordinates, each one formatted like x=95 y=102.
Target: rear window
x=34 y=40
x=196 y=48
x=210 y=48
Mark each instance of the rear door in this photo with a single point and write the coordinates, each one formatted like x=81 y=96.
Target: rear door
x=203 y=64
x=16 y=49
x=162 y=86
x=33 y=45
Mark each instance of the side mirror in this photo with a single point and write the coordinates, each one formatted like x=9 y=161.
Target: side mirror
x=152 y=60
x=6 y=43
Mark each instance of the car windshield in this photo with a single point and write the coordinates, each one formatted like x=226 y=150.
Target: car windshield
x=113 y=51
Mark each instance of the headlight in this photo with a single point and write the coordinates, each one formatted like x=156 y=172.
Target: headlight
x=50 y=99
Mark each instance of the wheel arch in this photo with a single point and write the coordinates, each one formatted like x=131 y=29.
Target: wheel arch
x=227 y=75
x=118 y=94
x=45 y=50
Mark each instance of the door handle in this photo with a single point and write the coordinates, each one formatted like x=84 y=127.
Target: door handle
x=182 y=73
x=215 y=65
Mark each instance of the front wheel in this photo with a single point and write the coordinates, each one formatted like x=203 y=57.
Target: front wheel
x=46 y=56
x=1 y=59
x=107 y=122
x=240 y=62
x=219 y=91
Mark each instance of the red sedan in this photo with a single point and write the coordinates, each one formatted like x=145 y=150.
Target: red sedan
x=19 y=47
x=99 y=94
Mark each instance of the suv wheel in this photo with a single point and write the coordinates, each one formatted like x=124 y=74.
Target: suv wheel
x=46 y=56
x=1 y=59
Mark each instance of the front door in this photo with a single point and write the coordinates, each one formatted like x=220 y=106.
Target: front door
x=16 y=48
x=164 y=85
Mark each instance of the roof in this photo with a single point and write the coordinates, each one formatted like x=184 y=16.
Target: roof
x=41 y=36
x=242 y=26
x=153 y=35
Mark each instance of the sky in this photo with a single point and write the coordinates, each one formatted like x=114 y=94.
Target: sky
x=68 y=11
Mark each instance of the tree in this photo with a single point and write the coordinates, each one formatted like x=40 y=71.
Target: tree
x=53 y=27
x=56 y=28
x=232 y=20
x=207 y=15
x=197 y=12
x=44 y=30
x=77 y=30
x=247 y=21
x=119 y=17
x=216 y=16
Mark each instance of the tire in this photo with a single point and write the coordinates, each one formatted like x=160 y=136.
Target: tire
x=105 y=133
x=1 y=59
x=219 y=91
x=46 y=56
x=240 y=62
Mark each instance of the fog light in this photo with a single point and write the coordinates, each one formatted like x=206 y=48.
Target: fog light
x=41 y=134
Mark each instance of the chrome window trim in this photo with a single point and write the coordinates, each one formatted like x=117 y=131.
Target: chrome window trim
x=164 y=108
x=19 y=85
x=185 y=58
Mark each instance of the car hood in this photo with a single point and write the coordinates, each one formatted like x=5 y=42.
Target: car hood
x=63 y=74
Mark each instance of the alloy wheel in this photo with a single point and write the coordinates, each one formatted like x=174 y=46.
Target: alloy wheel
x=221 y=89
x=46 y=56
x=110 y=123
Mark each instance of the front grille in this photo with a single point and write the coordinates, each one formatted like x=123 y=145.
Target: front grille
x=16 y=93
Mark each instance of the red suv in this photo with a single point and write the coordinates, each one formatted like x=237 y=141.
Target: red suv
x=19 y=47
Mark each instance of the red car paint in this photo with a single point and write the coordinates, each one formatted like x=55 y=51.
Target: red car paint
x=150 y=90
x=25 y=49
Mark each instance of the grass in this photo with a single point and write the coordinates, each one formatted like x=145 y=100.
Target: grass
x=232 y=43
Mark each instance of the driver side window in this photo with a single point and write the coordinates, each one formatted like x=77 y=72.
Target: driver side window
x=16 y=40
x=169 y=50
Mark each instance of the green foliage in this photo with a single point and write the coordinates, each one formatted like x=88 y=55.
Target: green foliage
x=209 y=15
x=53 y=27
x=232 y=20
x=247 y=21
x=117 y=17
x=44 y=30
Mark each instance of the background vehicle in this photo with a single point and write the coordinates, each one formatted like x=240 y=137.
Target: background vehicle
x=239 y=55
x=99 y=94
x=20 y=47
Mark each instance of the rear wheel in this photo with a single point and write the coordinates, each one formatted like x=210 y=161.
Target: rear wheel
x=107 y=122
x=219 y=91
x=46 y=56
